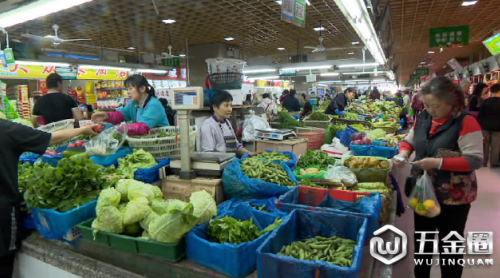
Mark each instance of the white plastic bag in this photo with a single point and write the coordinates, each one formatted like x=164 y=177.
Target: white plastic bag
x=342 y=173
x=250 y=125
x=423 y=198
x=108 y=141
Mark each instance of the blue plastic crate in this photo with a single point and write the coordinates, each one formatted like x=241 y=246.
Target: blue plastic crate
x=290 y=163
x=360 y=150
x=345 y=139
x=233 y=260
x=303 y=224
x=52 y=224
x=151 y=175
x=381 y=151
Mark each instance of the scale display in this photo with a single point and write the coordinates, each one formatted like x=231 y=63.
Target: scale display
x=189 y=98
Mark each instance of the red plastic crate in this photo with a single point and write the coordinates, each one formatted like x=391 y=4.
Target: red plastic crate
x=347 y=196
x=312 y=196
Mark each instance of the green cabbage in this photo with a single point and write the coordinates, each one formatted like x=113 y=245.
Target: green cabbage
x=145 y=235
x=176 y=204
x=150 y=217
x=159 y=206
x=157 y=191
x=137 y=160
x=135 y=211
x=172 y=226
x=2 y=115
x=204 y=204
x=132 y=229
x=108 y=197
x=121 y=207
x=377 y=134
x=139 y=189
x=122 y=187
x=109 y=219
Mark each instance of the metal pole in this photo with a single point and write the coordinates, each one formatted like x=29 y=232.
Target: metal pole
x=187 y=62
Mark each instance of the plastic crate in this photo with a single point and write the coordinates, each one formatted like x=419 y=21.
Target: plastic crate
x=163 y=147
x=172 y=252
x=347 y=121
x=52 y=224
x=60 y=125
x=347 y=134
x=360 y=150
x=302 y=224
x=313 y=135
x=372 y=174
x=346 y=195
x=318 y=124
x=381 y=151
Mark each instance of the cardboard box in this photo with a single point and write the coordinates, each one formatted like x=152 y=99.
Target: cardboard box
x=297 y=146
x=174 y=187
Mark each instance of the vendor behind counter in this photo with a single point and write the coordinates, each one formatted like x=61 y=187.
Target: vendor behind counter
x=339 y=103
x=217 y=134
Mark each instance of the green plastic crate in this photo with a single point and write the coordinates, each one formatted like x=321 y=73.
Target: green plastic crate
x=370 y=175
x=172 y=252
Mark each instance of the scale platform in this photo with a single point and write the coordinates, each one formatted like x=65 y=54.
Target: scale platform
x=275 y=134
x=204 y=164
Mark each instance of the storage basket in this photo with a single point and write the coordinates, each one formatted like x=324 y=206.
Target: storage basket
x=371 y=174
x=313 y=135
x=318 y=124
x=52 y=224
x=172 y=252
x=60 y=125
x=163 y=147
x=347 y=121
x=303 y=224
x=226 y=81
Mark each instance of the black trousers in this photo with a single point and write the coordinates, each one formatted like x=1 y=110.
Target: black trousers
x=452 y=218
x=7 y=265
x=7 y=255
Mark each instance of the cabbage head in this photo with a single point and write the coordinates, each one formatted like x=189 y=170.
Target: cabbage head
x=108 y=197
x=139 y=189
x=204 y=205
x=2 y=115
x=135 y=211
x=176 y=204
x=157 y=192
x=159 y=206
x=109 y=219
x=171 y=227
x=145 y=235
x=122 y=187
x=132 y=229
x=150 y=217
x=121 y=207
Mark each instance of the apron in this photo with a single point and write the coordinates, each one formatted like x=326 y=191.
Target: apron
x=230 y=140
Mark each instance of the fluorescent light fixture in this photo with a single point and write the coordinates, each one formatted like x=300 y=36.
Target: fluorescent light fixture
x=168 y=21
x=36 y=10
x=259 y=70
x=131 y=48
x=355 y=43
x=281 y=48
x=308 y=68
x=379 y=80
x=330 y=74
x=264 y=77
x=319 y=28
x=229 y=39
x=45 y=64
x=360 y=72
x=103 y=67
x=151 y=71
x=391 y=76
x=359 y=65
x=422 y=63
x=469 y=3
x=308 y=3
x=182 y=55
x=430 y=52
x=350 y=53
x=323 y=85
x=279 y=2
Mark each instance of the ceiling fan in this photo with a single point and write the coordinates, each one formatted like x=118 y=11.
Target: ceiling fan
x=321 y=48
x=55 y=39
x=165 y=55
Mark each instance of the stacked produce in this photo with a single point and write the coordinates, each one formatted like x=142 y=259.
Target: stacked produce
x=230 y=230
x=268 y=171
x=385 y=123
x=360 y=139
x=377 y=134
x=318 y=116
x=334 y=250
x=366 y=163
x=286 y=121
x=372 y=187
x=162 y=134
x=310 y=170
x=337 y=128
x=136 y=160
x=359 y=127
x=322 y=107
x=75 y=181
x=315 y=157
x=138 y=209
x=273 y=156
x=308 y=182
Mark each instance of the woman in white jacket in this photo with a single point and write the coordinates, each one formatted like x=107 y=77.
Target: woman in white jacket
x=268 y=105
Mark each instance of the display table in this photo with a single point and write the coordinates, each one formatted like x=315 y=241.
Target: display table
x=297 y=146
x=86 y=259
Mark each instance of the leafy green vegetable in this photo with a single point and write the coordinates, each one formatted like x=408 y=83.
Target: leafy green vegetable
x=109 y=219
x=266 y=170
x=204 y=205
x=286 y=120
x=318 y=116
x=2 y=115
x=229 y=229
x=318 y=157
x=135 y=211
x=137 y=160
x=377 y=134
x=108 y=197
x=172 y=226
x=132 y=229
x=150 y=217
x=273 y=156
x=137 y=189
x=159 y=206
x=308 y=182
x=75 y=181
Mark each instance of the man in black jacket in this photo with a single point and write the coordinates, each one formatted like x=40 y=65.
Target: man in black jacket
x=291 y=103
x=340 y=101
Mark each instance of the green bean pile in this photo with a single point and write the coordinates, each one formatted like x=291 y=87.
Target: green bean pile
x=273 y=156
x=334 y=250
x=266 y=171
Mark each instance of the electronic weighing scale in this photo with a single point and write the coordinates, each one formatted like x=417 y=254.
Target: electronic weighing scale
x=204 y=164
x=275 y=134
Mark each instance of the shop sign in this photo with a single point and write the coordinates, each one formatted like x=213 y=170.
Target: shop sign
x=449 y=36
x=101 y=74
x=67 y=73
x=421 y=72
x=172 y=62
x=27 y=72
x=294 y=11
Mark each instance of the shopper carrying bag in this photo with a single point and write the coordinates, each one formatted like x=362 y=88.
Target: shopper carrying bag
x=445 y=141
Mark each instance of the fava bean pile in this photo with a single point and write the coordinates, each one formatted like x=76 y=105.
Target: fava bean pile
x=334 y=250
x=273 y=156
x=266 y=171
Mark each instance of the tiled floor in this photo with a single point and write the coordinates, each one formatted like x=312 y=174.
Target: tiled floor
x=29 y=267
x=484 y=216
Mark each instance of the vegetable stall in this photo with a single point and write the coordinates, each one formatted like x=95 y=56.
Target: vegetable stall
x=111 y=209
